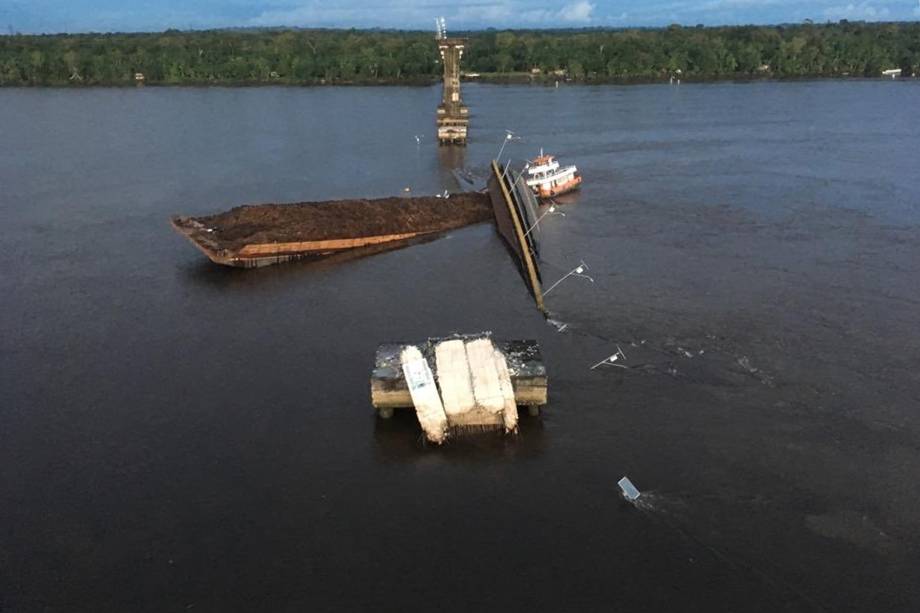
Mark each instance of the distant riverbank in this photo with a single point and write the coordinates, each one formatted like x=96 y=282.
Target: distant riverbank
x=486 y=78
x=373 y=57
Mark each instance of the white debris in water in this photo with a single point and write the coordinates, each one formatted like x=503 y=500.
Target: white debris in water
x=630 y=492
x=758 y=373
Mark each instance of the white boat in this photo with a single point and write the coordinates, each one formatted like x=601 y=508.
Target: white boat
x=548 y=179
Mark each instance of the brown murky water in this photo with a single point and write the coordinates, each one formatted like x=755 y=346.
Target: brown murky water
x=176 y=436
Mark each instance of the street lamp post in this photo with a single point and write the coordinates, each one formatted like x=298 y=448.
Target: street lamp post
x=577 y=272
x=508 y=166
x=609 y=361
x=520 y=174
x=551 y=209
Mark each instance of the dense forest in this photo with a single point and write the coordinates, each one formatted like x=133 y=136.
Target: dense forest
x=371 y=56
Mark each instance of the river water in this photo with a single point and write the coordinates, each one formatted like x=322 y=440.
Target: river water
x=177 y=436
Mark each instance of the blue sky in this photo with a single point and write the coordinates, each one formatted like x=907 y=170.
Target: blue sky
x=32 y=16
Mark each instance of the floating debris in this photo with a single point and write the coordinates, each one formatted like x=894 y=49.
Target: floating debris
x=745 y=363
x=610 y=360
x=757 y=373
x=630 y=492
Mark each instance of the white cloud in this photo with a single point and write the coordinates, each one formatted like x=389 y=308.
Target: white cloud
x=306 y=14
x=496 y=13
x=579 y=11
x=510 y=13
x=857 y=11
x=743 y=4
x=575 y=13
x=417 y=13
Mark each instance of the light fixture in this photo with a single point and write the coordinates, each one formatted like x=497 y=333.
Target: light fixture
x=509 y=135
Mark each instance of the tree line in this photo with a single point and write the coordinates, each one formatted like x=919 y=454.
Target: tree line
x=303 y=56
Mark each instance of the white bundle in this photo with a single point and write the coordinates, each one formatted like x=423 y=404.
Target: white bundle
x=424 y=394
x=487 y=385
x=509 y=413
x=454 y=379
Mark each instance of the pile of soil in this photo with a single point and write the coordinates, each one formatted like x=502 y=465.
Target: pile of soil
x=338 y=219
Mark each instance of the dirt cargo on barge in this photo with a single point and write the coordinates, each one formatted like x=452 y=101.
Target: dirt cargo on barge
x=259 y=235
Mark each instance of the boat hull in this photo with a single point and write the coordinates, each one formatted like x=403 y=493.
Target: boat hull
x=551 y=192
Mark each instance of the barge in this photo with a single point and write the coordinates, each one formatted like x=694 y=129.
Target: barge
x=260 y=235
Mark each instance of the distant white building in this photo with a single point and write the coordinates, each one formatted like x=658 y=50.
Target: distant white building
x=892 y=72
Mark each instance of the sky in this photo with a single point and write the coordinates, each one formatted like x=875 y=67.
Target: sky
x=38 y=16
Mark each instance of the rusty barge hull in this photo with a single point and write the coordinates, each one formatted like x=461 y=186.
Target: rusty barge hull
x=253 y=236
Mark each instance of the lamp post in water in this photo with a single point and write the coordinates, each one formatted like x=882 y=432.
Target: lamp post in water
x=578 y=271
x=520 y=174
x=551 y=209
x=523 y=170
x=610 y=360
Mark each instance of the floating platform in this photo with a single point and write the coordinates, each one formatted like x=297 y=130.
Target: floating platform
x=260 y=235
x=390 y=390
